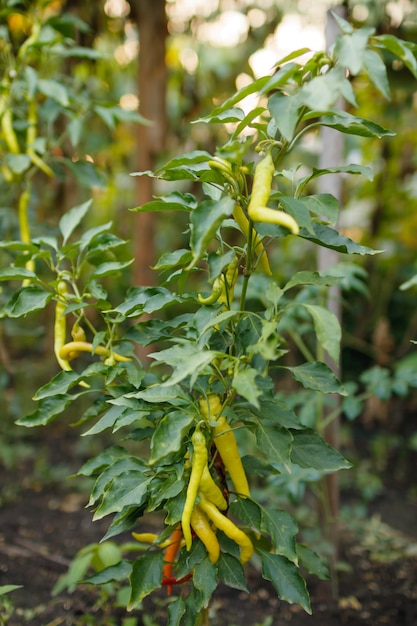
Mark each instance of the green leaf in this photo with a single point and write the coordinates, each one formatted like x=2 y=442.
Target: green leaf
x=27 y=300
x=377 y=72
x=310 y=451
x=205 y=579
x=284 y=110
x=322 y=204
x=186 y=360
x=173 y=259
x=231 y=572
x=350 y=49
x=312 y=562
x=110 y=268
x=330 y=238
x=248 y=511
x=353 y=125
x=327 y=328
x=85 y=173
x=16 y=273
x=175 y=201
x=233 y=114
x=311 y=278
x=18 y=163
x=298 y=210
x=176 y=610
x=54 y=90
x=169 y=434
x=48 y=409
x=275 y=442
x=322 y=92
x=70 y=220
x=204 y=222
x=244 y=383
x=146 y=576
x=317 y=376
x=58 y=385
x=129 y=489
x=146 y=300
x=114 y=573
x=242 y=93
x=8 y=588
x=286 y=579
x=282 y=529
x=401 y=49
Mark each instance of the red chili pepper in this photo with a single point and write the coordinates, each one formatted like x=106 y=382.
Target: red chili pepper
x=171 y=554
x=167 y=582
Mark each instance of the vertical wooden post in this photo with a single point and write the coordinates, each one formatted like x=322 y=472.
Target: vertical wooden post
x=332 y=154
x=151 y=21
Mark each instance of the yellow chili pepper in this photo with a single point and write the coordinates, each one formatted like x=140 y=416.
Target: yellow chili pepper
x=211 y=406
x=228 y=527
x=225 y=442
x=257 y=209
x=198 y=461
x=203 y=530
x=60 y=326
x=76 y=347
x=211 y=490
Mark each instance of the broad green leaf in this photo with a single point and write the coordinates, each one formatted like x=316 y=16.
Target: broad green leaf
x=16 y=273
x=146 y=300
x=310 y=451
x=121 y=465
x=205 y=579
x=169 y=434
x=128 y=490
x=282 y=529
x=102 y=460
x=269 y=343
x=234 y=114
x=158 y=394
x=204 y=222
x=352 y=168
x=173 y=259
x=298 y=210
x=352 y=125
x=175 y=201
x=244 y=381
x=58 y=385
x=317 y=376
x=176 y=610
x=350 y=49
x=312 y=562
x=70 y=220
x=85 y=173
x=8 y=588
x=107 y=421
x=401 y=49
x=47 y=410
x=275 y=442
x=184 y=167
x=285 y=72
x=54 y=90
x=327 y=328
x=311 y=278
x=286 y=579
x=114 y=573
x=330 y=238
x=248 y=511
x=146 y=576
x=110 y=268
x=231 y=572
x=322 y=92
x=284 y=110
x=186 y=360
x=374 y=66
x=18 y=163
x=322 y=204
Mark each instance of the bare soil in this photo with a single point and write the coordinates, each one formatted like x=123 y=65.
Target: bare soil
x=42 y=526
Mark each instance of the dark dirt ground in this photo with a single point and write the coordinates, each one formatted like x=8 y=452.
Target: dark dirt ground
x=43 y=525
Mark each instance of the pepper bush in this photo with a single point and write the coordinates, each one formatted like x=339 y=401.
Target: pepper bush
x=216 y=333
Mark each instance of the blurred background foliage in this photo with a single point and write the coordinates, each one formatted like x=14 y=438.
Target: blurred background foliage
x=92 y=142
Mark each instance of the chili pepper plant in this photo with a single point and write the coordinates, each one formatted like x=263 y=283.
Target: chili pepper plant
x=198 y=425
